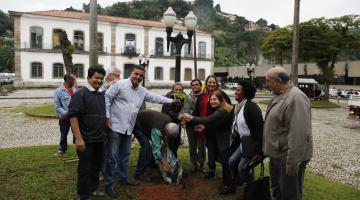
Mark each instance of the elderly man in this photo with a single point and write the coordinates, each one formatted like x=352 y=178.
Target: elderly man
x=287 y=136
x=123 y=101
x=62 y=97
x=154 y=126
x=112 y=75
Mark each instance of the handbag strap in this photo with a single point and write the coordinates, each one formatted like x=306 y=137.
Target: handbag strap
x=262 y=171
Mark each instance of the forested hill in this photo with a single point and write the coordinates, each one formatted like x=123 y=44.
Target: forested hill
x=234 y=44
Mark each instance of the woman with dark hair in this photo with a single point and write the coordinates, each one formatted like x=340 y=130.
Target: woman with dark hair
x=219 y=120
x=247 y=133
x=203 y=109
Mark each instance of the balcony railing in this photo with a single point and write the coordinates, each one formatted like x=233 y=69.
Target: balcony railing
x=130 y=52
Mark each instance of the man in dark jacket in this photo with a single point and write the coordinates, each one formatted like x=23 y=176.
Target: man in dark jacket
x=88 y=120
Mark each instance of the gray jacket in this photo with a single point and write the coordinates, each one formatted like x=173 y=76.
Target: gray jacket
x=287 y=128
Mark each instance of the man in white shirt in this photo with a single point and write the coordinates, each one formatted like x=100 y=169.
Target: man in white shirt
x=123 y=100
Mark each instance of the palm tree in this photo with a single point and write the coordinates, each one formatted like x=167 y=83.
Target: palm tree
x=295 y=44
x=93 y=58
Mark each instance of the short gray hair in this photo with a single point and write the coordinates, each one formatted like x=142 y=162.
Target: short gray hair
x=172 y=130
x=113 y=70
x=282 y=75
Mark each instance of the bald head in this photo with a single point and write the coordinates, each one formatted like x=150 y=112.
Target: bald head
x=277 y=79
x=279 y=73
x=171 y=130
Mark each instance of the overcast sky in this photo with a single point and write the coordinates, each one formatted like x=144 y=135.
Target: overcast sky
x=279 y=12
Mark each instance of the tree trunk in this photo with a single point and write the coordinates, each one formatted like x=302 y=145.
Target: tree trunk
x=295 y=44
x=93 y=58
x=66 y=50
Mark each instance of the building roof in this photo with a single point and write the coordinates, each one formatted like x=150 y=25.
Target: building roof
x=103 y=18
x=307 y=81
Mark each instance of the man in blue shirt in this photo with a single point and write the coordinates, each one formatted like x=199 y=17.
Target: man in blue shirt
x=62 y=97
x=123 y=100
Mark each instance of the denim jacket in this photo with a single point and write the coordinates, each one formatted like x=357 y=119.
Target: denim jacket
x=61 y=101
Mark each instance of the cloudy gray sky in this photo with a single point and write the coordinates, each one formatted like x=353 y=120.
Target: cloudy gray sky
x=279 y=12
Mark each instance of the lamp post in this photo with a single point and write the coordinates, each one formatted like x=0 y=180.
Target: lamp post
x=144 y=61
x=179 y=40
x=250 y=69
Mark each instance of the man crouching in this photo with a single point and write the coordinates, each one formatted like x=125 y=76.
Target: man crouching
x=157 y=128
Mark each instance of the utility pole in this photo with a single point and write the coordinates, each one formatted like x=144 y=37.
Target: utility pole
x=93 y=58
x=295 y=45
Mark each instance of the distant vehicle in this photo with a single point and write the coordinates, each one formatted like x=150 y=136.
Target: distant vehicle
x=333 y=92
x=354 y=107
x=231 y=85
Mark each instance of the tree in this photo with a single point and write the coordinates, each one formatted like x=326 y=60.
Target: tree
x=67 y=49
x=6 y=25
x=7 y=55
x=276 y=46
x=320 y=43
x=217 y=8
x=225 y=57
x=72 y=9
x=262 y=23
x=86 y=8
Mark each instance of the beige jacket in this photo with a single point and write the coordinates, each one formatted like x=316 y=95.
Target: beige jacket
x=287 y=128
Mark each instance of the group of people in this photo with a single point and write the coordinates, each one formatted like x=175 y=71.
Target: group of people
x=234 y=135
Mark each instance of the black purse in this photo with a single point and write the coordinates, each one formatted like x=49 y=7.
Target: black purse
x=248 y=146
x=258 y=189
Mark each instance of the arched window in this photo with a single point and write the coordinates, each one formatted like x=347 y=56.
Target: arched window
x=130 y=43
x=79 y=40
x=100 y=38
x=202 y=49
x=186 y=50
x=58 y=70
x=188 y=74
x=158 y=73
x=79 y=70
x=36 y=35
x=56 y=38
x=36 y=70
x=159 y=46
x=127 y=70
x=172 y=49
x=201 y=74
x=172 y=73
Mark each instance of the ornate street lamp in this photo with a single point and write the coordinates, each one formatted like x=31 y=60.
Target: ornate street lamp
x=144 y=61
x=190 y=24
x=250 y=69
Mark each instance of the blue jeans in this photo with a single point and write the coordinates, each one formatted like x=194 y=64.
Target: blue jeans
x=118 y=155
x=236 y=164
x=145 y=152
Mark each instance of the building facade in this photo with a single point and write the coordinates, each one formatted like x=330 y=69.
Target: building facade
x=39 y=61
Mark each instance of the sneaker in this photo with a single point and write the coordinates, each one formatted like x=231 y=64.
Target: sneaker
x=98 y=194
x=59 y=153
x=226 y=190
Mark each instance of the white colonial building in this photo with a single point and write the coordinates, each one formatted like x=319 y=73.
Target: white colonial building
x=39 y=61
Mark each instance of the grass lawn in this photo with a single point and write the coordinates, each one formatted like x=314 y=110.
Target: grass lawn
x=44 y=110
x=314 y=104
x=35 y=173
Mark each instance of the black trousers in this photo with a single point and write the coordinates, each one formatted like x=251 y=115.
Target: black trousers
x=64 y=130
x=88 y=169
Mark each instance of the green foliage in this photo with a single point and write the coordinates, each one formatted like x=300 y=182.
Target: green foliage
x=6 y=25
x=262 y=23
x=7 y=55
x=182 y=96
x=276 y=46
x=225 y=57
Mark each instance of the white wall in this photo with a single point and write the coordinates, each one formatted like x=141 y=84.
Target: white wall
x=70 y=25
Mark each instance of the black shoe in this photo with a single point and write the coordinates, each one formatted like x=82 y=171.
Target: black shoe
x=226 y=190
x=130 y=183
x=209 y=175
x=111 y=192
